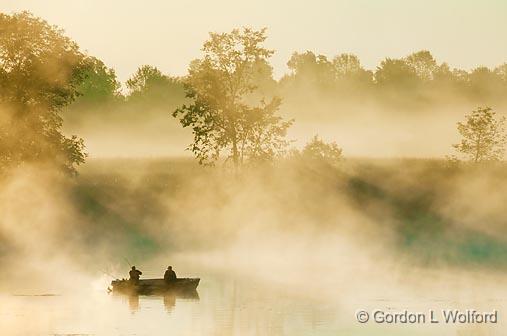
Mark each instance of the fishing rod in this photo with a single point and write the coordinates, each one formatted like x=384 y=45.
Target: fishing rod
x=128 y=262
x=108 y=274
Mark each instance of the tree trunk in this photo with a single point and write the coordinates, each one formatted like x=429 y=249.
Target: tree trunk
x=477 y=148
x=235 y=154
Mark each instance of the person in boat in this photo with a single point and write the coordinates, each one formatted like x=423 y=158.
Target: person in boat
x=135 y=275
x=170 y=275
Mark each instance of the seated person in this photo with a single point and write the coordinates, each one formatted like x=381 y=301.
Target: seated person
x=135 y=274
x=170 y=275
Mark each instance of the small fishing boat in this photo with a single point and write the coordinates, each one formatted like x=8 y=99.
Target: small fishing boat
x=150 y=286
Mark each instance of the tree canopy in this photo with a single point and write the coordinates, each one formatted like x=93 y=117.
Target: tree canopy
x=99 y=84
x=229 y=100
x=221 y=86
x=318 y=150
x=483 y=136
x=40 y=73
x=149 y=86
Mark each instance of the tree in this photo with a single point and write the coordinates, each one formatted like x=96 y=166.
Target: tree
x=485 y=84
x=40 y=73
x=443 y=74
x=349 y=74
x=146 y=78
x=396 y=73
x=149 y=87
x=99 y=97
x=262 y=77
x=310 y=68
x=483 y=136
x=348 y=66
x=501 y=72
x=316 y=149
x=219 y=85
x=423 y=64
x=99 y=84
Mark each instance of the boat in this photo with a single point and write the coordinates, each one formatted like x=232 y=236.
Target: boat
x=152 y=286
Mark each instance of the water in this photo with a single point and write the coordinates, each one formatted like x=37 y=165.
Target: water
x=223 y=306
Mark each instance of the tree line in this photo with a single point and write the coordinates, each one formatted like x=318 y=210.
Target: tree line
x=229 y=99
x=415 y=81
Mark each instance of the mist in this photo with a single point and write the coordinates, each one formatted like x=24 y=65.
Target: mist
x=95 y=178
x=360 y=226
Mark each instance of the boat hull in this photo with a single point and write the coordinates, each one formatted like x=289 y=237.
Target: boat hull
x=151 y=286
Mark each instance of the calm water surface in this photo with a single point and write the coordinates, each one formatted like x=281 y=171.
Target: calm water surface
x=221 y=307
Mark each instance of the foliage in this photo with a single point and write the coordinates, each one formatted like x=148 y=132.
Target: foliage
x=100 y=83
x=318 y=150
x=220 y=85
x=348 y=67
x=422 y=64
x=486 y=84
x=395 y=73
x=501 y=72
x=323 y=87
x=483 y=136
x=310 y=69
x=40 y=73
x=150 y=87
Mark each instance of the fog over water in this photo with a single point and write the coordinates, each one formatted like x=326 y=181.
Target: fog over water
x=258 y=277
x=332 y=188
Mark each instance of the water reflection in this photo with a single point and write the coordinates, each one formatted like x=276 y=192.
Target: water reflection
x=223 y=307
x=168 y=298
x=169 y=302
x=133 y=302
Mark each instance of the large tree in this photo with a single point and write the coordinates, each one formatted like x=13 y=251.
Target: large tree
x=423 y=64
x=396 y=73
x=40 y=72
x=100 y=84
x=310 y=69
x=318 y=150
x=151 y=88
x=349 y=74
x=483 y=136
x=221 y=86
x=486 y=84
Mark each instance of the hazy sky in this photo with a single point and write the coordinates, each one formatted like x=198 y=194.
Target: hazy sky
x=168 y=34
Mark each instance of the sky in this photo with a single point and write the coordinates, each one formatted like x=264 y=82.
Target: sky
x=169 y=34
